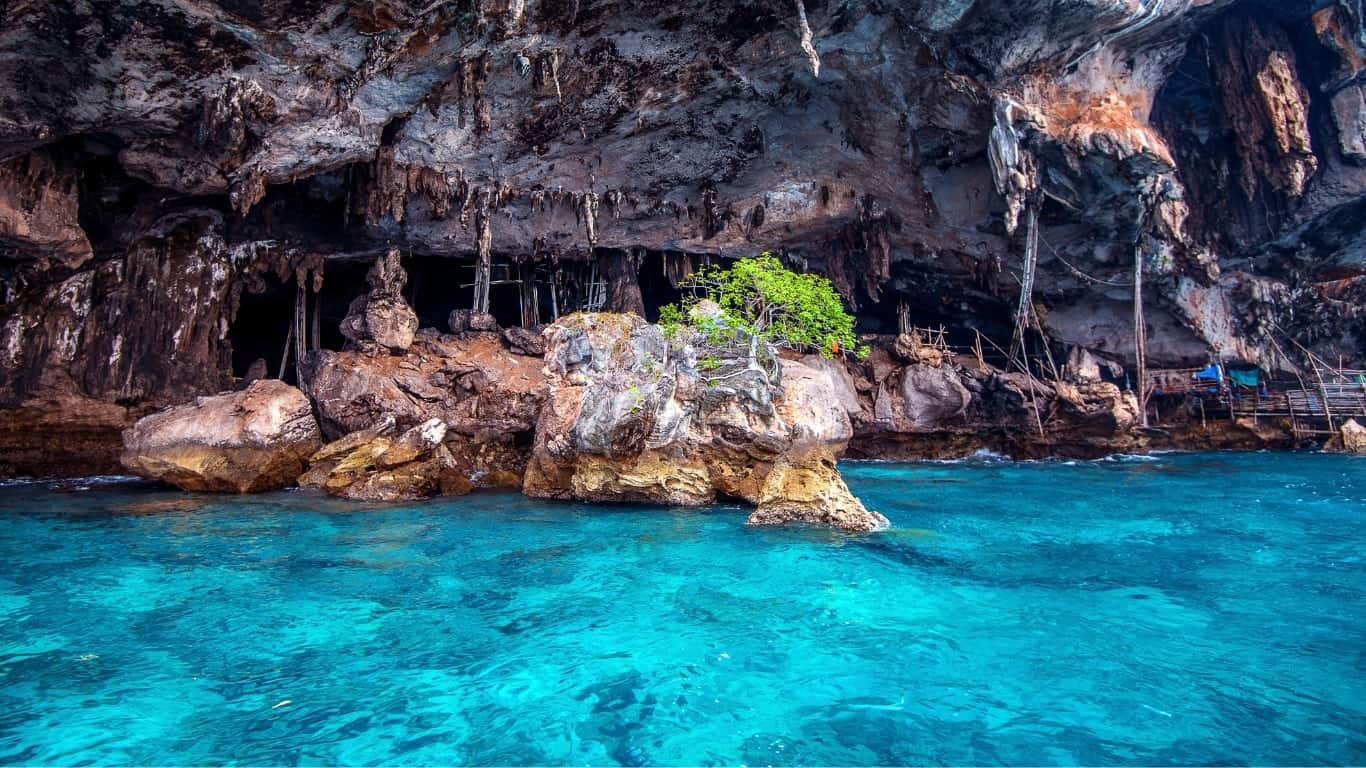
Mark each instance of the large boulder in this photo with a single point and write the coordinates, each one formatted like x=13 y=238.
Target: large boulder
x=933 y=394
x=630 y=415
x=381 y=319
x=258 y=439
x=921 y=398
x=487 y=398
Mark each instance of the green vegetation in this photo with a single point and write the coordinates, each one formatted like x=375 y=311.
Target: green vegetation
x=760 y=300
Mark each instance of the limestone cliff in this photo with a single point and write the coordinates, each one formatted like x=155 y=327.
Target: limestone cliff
x=192 y=192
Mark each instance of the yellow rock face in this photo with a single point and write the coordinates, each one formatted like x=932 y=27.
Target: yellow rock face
x=813 y=493
x=1353 y=437
x=648 y=478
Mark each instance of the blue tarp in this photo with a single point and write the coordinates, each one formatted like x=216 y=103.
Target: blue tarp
x=1213 y=372
x=1244 y=377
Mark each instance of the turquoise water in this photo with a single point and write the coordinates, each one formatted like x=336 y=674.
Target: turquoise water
x=1187 y=609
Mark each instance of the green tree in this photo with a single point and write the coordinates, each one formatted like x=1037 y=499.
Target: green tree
x=761 y=301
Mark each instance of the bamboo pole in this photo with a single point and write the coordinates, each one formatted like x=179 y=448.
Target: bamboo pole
x=316 y=335
x=554 y=296
x=1022 y=312
x=300 y=309
x=1140 y=333
x=284 y=355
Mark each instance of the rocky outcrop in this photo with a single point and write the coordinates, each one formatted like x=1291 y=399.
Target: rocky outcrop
x=381 y=318
x=379 y=464
x=84 y=437
x=1351 y=438
x=473 y=385
x=589 y=155
x=487 y=398
x=633 y=416
x=258 y=439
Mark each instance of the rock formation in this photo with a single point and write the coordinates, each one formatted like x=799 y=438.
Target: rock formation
x=177 y=178
x=381 y=317
x=258 y=439
x=1351 y=438
x=375 y=464
x=633 y=416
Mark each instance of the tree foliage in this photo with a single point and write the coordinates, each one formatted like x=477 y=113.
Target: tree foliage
x=760 y=299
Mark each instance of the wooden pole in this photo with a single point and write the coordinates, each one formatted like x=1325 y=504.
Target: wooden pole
x=531 y=311
x=284 y=355
x=1023 y=311
x=1140 y=340
x=300 y=308
x=316 y=335
x=554 y=296
x=1323 y=392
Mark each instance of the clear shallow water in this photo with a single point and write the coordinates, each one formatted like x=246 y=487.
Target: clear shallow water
x=1188 y=609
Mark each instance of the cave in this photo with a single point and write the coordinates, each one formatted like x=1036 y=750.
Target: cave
x=656 y=288
x=259 y=329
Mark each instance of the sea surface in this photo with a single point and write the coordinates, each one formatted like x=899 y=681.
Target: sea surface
x=1203 y=608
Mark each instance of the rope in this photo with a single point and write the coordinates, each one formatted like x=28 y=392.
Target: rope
x=1081 y=274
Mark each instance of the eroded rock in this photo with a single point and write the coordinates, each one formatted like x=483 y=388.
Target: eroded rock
x=631 y=416
x=258 y=439
x=1351 y=438
x=487 y=398
x=382 y=464
x=381 y=318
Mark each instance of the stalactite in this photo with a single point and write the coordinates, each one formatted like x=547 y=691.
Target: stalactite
x=431 y=184
x=1013 y=170
x=588 y=207
x=677 y=268
x=249 y=190
x=807 y=46
x=555 y=73
x=388 y=188
x=614 y=200
x=713 y=220
x=483 y=223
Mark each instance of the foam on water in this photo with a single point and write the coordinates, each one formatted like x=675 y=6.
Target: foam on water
x=1201 y=608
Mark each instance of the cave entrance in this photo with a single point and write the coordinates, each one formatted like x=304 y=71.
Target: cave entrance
x=343 y=281
x=258 y=331
x=659 y=275
x=959 y=311
x=437 y=285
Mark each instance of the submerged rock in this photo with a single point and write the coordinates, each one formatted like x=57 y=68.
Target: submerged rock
x=254 y=440
x=632 y=416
